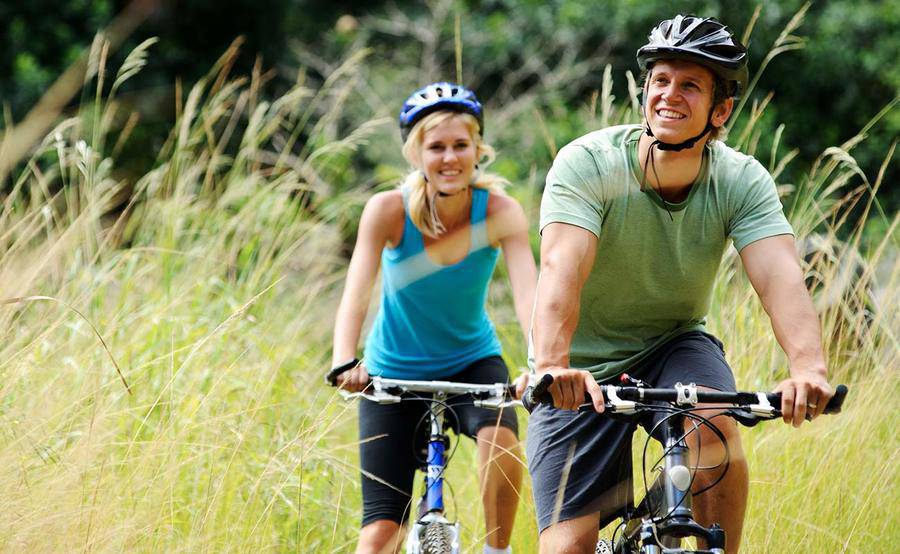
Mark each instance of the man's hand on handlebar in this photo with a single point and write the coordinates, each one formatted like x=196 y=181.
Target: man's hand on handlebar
x=570 y=387
x=804 y=394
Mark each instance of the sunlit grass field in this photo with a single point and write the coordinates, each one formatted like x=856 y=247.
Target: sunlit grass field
x=161 y=362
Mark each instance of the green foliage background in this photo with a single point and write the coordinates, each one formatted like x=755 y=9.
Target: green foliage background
x=824 y=93
x=206 y=244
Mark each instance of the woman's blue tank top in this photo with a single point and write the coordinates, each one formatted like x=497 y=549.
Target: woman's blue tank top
x=432 y=322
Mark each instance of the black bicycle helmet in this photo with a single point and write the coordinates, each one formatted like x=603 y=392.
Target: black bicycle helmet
x=705 y=41
x=439 y=96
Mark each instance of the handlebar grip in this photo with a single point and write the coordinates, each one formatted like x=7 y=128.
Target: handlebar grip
x=837 y=401
x=332 y=375
x=834 y=403
x=538 y=394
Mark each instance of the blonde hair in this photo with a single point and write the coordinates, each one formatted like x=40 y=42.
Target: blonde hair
x=421 y=205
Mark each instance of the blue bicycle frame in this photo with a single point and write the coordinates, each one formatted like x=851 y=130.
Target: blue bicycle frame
x=431 y=527
x=434 y=476
x=431 y=507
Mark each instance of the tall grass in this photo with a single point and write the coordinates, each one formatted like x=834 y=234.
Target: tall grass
x=213 y=279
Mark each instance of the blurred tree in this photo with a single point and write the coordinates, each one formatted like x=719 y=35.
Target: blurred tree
x=535 y=62
x=39 y=40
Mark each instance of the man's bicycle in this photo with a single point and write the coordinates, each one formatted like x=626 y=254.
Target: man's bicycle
x=664 y=517
x=432 y=532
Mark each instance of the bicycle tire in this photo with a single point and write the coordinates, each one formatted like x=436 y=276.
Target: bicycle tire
x=437 y=539
x=606 y=546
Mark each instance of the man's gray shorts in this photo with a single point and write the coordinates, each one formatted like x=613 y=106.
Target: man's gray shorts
x=591 y=454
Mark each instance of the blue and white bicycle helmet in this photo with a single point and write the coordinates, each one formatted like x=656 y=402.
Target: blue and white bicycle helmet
x=439 y=96
x=702 y=40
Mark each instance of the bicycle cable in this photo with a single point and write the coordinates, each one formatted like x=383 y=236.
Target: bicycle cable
x=621 y=526
x=447 y=408
x=698 y=421
x=670 y=413
x=696 y=418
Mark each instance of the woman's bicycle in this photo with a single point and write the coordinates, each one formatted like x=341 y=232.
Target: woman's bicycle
x=432 y=532
x=664 y=517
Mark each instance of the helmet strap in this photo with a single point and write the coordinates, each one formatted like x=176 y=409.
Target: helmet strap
x=652 y=163
x=447 y=194
x=689 y=143
x=464 y=189
x=436 y=222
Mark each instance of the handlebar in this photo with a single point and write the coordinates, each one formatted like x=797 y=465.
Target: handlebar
x=628 y=400
x=388 y=391
x=538 y=393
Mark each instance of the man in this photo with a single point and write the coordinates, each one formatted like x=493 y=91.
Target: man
x=634 y=222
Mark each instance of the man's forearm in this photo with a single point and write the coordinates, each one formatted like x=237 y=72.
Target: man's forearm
x=796 y=326
x=567 y=258
x=555 y=319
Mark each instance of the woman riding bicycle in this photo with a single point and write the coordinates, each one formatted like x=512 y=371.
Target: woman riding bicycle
x=437 y=237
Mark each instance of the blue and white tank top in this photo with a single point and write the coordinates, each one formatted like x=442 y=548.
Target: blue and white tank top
x=432 y=322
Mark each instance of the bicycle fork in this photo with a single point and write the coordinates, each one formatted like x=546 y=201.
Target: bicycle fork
x=431 y=505
x=669 y=500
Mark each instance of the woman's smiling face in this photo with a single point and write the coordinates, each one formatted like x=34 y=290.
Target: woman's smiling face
x=448 y=155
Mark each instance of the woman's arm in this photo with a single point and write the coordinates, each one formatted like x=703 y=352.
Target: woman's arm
x=508 y=226
x=380 y=220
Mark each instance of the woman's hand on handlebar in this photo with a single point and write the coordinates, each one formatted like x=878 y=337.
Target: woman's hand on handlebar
x=354 y=380
x=521 y=383
x=570 y=386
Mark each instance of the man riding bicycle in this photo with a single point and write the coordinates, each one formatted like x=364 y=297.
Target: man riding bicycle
x=634 y=223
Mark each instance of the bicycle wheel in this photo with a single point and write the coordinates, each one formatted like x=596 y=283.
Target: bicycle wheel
x=437 y=539
x=607 y=547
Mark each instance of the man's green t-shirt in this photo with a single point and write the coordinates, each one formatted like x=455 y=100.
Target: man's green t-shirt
x=655 y=269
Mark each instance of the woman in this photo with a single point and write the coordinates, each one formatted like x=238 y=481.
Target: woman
x=437 y=238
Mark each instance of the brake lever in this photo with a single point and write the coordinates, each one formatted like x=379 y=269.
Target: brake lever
x=375 y=392
x=744 y=417
x=616 y=405
x=504 y=396
x=380 y=397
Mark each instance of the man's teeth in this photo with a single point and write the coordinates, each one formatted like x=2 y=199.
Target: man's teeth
x=670 y=114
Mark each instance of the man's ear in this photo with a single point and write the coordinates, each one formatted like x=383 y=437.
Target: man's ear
x=722 y=112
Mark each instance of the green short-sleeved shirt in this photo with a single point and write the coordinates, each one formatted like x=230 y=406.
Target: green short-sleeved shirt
x=654 y=272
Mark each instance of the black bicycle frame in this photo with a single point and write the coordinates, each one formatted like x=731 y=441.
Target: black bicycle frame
x=664 y=516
